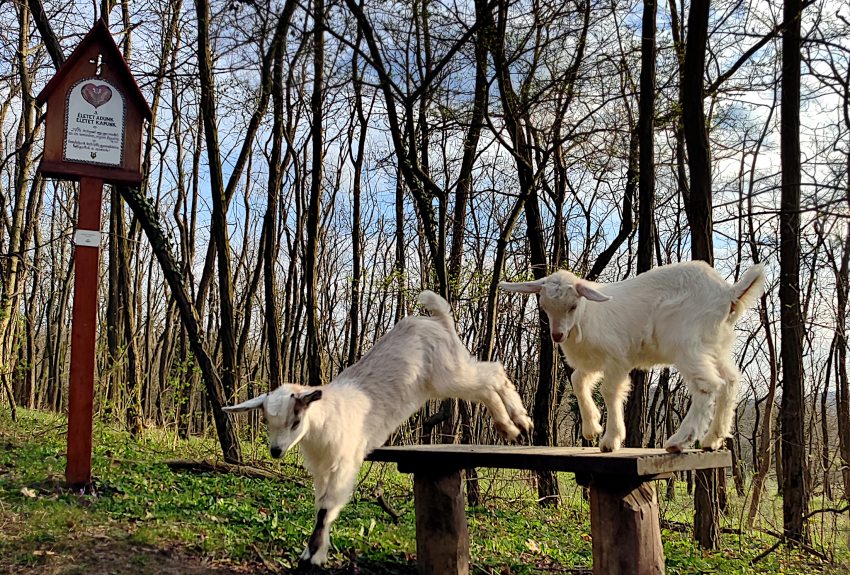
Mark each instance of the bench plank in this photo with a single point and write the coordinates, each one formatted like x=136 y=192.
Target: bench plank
x=628 y=463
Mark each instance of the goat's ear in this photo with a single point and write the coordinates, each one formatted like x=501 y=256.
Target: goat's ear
x=254 y=403
x=302 y=400
x=588 y=292
x=523 y=287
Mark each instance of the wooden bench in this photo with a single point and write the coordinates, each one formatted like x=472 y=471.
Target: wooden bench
x=624 y=519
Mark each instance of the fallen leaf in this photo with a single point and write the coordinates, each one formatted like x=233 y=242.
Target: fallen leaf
x=28 y=492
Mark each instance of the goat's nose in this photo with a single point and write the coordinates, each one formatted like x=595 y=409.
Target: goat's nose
x=276 y=452
x=557 y=336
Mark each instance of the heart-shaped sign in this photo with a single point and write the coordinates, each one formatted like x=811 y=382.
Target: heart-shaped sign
x=95 y=95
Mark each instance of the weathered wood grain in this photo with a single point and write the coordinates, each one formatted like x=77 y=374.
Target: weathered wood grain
x=442 y=536
x=625 y=529
x=626 y=463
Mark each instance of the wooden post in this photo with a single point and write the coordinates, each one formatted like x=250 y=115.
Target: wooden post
x=624 y=524
x=93 y=133
x=83 y=331
x=442 y=536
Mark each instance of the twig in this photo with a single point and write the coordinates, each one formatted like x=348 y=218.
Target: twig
x=827 y=510
x=379 y=499
x=220 y=467
x=767 y=552
x=779 y=541
x=268 y=564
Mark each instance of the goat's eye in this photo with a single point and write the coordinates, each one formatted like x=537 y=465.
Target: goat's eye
x=295 y=423
x=573 y=308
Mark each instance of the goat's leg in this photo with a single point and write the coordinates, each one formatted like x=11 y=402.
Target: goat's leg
x=513 y=402
x=336 y=492
x=615 y=389
x=583 y=383
x=724 y=406
x=484 y=383
x=703 y=381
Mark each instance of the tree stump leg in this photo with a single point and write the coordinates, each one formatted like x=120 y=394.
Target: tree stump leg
x=625 y=527
x=707 y=508
x=442 y=536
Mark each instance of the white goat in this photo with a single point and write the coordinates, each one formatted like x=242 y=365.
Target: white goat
x=421 y=358
x=682 y=314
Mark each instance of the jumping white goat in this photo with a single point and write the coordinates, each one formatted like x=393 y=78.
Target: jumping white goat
x=421 y=358
x=682 y=314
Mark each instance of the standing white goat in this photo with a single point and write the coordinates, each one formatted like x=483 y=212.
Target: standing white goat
x=421 y=358
x=682 y=314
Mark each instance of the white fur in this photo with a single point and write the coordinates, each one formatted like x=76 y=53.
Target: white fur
x=682 y=314
x=337 y=425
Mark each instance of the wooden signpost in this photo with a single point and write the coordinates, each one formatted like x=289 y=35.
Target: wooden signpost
x=93 y=134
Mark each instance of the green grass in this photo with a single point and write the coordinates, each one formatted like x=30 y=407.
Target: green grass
x=143 y=512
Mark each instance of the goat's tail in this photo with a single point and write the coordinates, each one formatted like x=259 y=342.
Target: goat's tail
x=437 y=307
x=748 y=289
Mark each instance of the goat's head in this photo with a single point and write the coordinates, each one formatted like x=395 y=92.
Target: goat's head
x=563 y=296
x=284 y=410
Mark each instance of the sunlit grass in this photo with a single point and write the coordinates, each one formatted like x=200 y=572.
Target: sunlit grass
x=238 y=520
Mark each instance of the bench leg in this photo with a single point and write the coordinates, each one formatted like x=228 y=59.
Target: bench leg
x=442 y=536
x=625 y=527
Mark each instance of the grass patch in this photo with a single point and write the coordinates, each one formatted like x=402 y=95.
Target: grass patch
x=146 y=518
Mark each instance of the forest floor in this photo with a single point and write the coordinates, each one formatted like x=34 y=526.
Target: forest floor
x=145 y=518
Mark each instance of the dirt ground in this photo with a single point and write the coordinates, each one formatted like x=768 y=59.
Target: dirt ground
x=114 y=553
x=100 y=554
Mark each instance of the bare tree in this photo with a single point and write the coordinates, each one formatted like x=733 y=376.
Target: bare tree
x=792 y=414
x=637 y=402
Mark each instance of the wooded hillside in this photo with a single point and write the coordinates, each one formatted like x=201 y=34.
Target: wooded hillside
x=311 y=166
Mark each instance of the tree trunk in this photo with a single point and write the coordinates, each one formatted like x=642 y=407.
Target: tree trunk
x=314 y=351
x=699 y=204
x=219 y=228
x=543 y=411
x=792 y=414
x=698 y=208
x=147 y=216
x=636 y=404
x=842 y=387
x=270 y=230
x=825 y=459
x=466 y=410
x=357 y=185
x=125 y=318
x=11 y=273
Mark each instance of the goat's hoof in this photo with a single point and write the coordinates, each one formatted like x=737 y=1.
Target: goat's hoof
x=673 y=445
x=525 y=425
x=307 y=561
x=608 y=444
x=591 y=430
x=711 y=443
x=680 y=440
x=509 y=430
